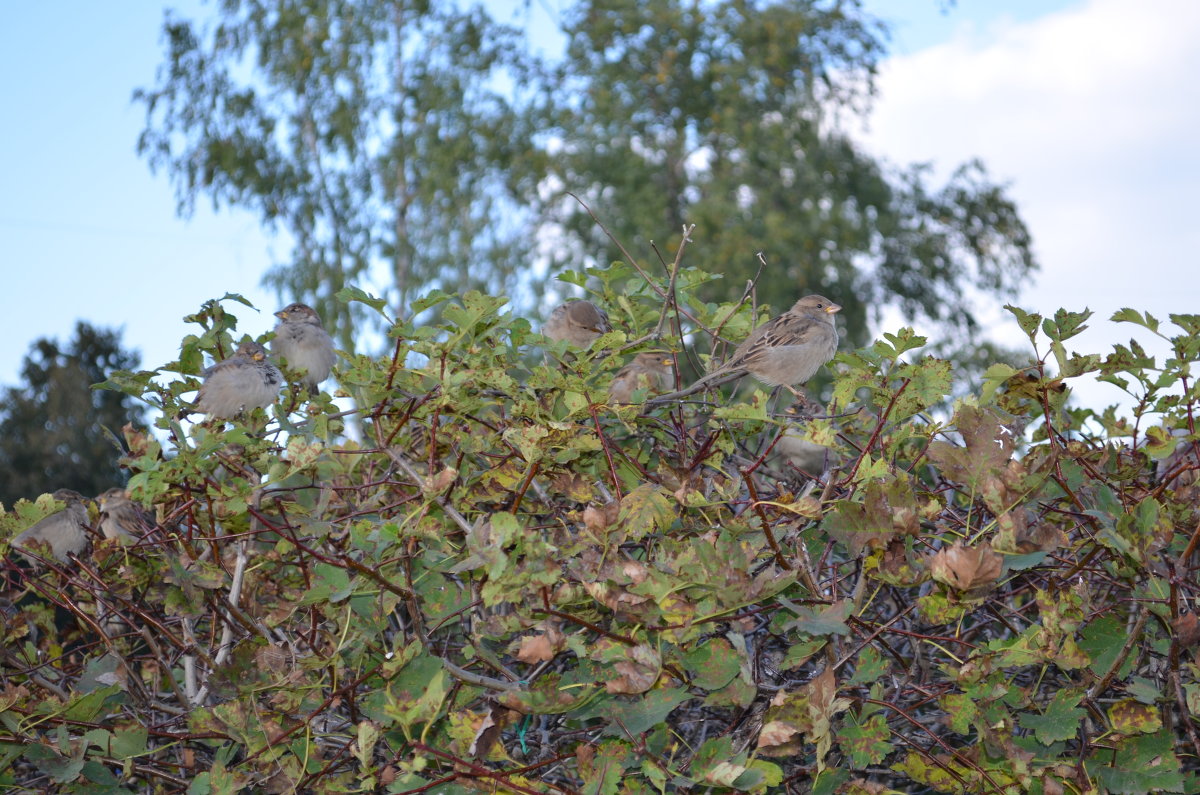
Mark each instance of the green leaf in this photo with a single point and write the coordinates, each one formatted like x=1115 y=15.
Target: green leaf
x=994 y=378
x=643 y=713
x=1143 y=764
x=865 y=741
x=1160 y=442
x=902 y=341
x=355 y=295
x=929 y=382
x=429 y=300
x=1127 y=315
x=1103 y=640
x=1147 y=691
x=330 y=583
x=61 y=769
x=646 y=509
x=799 y=653
x=238 y=297
x=1060 y=721
x=1028 y=321
x=575 y=403
x=713 y=665
x=88 y=707
x=869 y=667
x=128 y=743
x=829 y=781
x=1065 y=324
x=939 y=776
x=607 y=768
x=822 y=620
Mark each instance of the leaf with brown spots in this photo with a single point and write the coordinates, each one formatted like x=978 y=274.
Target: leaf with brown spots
x=1130 y=716
x=574 y=487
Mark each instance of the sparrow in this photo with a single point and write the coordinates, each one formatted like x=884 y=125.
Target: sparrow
x=241 y=383
x=783 y=352
x=792 y=448
x=64 y=532
x=578 y=322
x=1180 y=467
x=303 y=344
x=653 y=371
x=120 y=517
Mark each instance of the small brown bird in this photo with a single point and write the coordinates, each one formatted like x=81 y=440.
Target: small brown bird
x=578 y=322
x=792 y=448
x=1181 y=470
x=303 y=344
x=64 y=532
x=241 y=383
x=121 y=517
x=650 y=371
x=783 y=352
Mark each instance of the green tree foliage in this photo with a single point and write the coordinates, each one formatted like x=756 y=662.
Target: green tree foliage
x=420 y=145
x=730 y=115
x=55 y=430
x=372 y=133
x=509 y=584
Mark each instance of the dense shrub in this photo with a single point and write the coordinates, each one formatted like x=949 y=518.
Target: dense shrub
x=485 y=578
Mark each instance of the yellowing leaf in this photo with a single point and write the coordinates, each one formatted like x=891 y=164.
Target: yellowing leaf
x=646 y=509
x=1129 y=716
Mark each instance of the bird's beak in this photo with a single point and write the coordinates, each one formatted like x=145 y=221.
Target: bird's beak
x=281 y=314
x=258 y=357
x=832 y=308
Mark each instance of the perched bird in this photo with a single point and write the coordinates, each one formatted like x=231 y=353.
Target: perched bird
x=243 y=382
x=302 y=342
x=792 y=448
x=783 y=352
x=578 y=322
x=653 y=371
x=64 y=532
x=1181 y=469
x=120 y=517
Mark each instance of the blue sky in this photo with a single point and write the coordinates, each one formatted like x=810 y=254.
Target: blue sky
x=1088 y=108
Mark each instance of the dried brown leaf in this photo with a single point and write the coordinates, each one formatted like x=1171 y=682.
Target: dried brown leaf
x=634 y=678
x=489 y=731
x=967 y=568
x=535 y=649
x=1187 y=630
x=435 y=485
x=776 y=733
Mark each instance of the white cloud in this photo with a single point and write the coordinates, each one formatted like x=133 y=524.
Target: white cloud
x=1091 y=113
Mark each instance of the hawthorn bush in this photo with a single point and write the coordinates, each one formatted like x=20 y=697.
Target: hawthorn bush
x=485 y=578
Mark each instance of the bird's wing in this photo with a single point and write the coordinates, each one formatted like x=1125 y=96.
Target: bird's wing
x=589 y=316
x=786 y=330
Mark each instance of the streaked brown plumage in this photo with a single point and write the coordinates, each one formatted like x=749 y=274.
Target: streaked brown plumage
x=578 y=322
x=64 y=531
x=121 y=517
x=304 y=345
x=785 y=351
x=241 y=383
x=650 y=371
